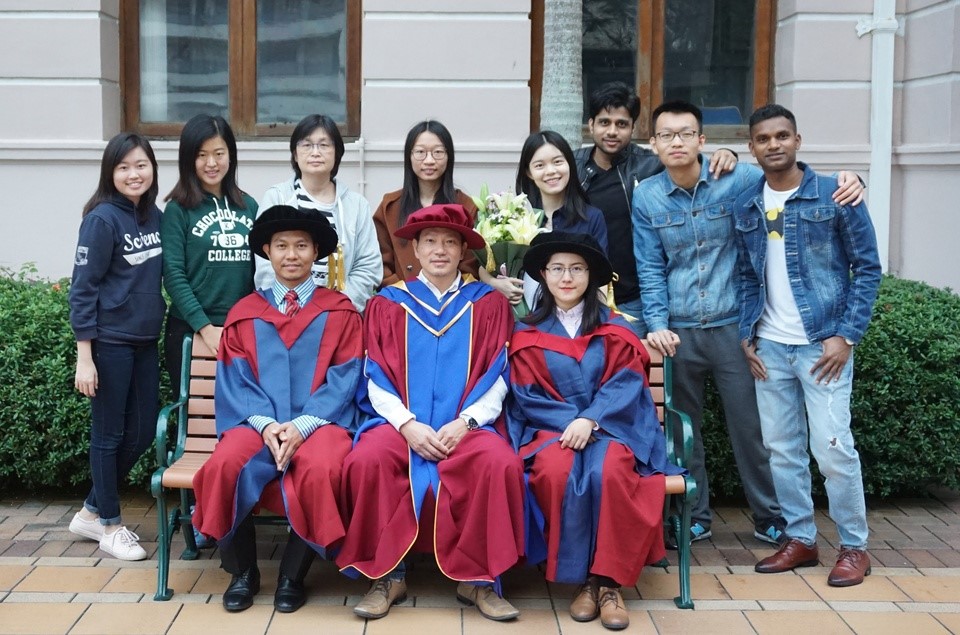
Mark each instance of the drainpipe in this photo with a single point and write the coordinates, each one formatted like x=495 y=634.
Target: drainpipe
x=883 y=25
x=362 y=183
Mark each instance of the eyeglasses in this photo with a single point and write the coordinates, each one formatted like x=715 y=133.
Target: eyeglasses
x=557 y=271
x=306 y=146
x=438 y=154
x=666 y=136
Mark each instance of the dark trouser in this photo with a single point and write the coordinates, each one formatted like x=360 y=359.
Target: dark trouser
x=173 y=350
x=124 y=413
x=717 y=351
x=241 y=553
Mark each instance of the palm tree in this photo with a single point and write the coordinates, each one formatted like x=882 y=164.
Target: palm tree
x=561 y=101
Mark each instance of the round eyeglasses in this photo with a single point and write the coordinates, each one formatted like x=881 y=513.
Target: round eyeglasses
x=438 y=154
x=557 y=271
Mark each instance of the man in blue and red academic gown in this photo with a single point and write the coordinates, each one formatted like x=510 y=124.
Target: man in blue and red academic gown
x=287 y=371
x=431 y=464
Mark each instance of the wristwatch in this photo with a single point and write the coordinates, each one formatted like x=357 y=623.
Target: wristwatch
x=849 y=342
x=470 y=421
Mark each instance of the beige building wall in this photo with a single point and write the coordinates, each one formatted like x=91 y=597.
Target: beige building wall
x=467 y=64
x=823 y=74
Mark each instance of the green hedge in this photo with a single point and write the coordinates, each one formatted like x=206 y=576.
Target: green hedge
x=906 y=397
x=44 y=421
x=906 y=405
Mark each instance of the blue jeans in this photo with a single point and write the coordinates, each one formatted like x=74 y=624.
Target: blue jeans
x=124 y=413
x=634 y=308
x=796 y=412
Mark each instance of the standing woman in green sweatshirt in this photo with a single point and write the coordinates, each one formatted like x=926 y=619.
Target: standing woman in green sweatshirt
x=207 y=265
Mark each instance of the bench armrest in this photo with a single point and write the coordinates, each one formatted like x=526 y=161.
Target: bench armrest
x=672 y=417
x=165 y=456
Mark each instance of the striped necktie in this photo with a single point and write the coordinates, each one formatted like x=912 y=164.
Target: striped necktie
x=293 y=303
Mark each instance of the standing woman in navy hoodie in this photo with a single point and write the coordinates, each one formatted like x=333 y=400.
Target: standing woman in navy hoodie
x=116 y=311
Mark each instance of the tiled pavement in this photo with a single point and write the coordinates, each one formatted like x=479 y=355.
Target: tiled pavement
x=51 y=583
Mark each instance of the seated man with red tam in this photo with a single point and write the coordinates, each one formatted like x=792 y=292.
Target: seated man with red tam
x=431 y=464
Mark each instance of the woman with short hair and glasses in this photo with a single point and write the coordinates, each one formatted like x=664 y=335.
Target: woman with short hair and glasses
x=316 y=149
x=582 y=418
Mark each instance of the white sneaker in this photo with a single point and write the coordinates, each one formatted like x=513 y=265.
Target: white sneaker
x=122 y=544
x=91 y=529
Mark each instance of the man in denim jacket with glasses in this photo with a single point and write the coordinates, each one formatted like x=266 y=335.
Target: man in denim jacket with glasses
x=809 y=275
x=686 y=259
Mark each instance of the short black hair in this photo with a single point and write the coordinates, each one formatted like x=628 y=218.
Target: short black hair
x=614 y=95
x=307 y=126
x=772 y=111
x=677 y=107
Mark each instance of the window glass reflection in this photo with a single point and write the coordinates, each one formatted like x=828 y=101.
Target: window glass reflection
x=183 y=59
x=301 y=59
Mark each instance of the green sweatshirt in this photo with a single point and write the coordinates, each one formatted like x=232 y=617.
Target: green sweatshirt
x=207 y=265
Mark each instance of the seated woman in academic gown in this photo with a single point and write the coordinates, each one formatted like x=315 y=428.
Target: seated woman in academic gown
x=584 y=421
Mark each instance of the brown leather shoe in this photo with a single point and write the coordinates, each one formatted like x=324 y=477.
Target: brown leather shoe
x=491 y=606
x=792 y=554
x=852 y=566
x=585 y=607
x=613 y=612
x=383 y=594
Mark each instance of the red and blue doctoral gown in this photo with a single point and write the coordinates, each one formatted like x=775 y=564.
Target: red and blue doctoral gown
x=278 y=366
x=602 y=516
x=437 y=357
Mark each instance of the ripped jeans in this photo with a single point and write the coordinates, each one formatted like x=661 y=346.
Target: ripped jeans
x=796 y=412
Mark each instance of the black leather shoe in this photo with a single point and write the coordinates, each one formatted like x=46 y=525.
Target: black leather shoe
x=239 y=595
x=289 y=596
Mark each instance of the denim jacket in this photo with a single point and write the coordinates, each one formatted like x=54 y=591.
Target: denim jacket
x=686 y=250
x=825 y=243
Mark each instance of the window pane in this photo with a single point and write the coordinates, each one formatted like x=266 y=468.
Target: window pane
x=708 y=58
x=609 y=45
x=183 y=59
x=301 y=60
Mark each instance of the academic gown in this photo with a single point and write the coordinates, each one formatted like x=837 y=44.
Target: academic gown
x=596 y=511
x=283 y=367
x=437 y=357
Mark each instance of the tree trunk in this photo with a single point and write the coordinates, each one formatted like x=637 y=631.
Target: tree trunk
x=561 y=101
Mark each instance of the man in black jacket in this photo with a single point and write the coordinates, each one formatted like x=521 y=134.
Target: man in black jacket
x=610 y=169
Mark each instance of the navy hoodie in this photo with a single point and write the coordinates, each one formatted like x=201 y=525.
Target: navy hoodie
x=115 y=295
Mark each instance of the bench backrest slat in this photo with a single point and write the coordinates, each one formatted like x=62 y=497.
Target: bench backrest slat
x=202 y=430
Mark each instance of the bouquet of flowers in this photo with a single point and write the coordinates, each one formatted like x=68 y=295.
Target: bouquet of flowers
x=507 y=223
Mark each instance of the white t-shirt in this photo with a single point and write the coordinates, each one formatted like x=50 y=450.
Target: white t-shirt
x=780 y=321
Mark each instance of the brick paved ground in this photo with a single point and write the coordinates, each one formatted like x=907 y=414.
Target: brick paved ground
x=51 y=583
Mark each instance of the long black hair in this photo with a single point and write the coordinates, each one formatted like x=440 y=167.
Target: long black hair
x=410 y=196
x=118 y=148
x=548 y=306
x=189 y=191
x=305 y=128
x=574 y=198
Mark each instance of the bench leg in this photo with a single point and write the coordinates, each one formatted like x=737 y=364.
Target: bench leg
x=164 y=530
x=681 y=527
x=190 y=551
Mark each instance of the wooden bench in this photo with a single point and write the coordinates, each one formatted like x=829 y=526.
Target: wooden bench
x=196 y=435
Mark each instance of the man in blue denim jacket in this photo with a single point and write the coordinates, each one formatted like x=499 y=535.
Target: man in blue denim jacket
x=686 y=259
x=609 y=171
x=809 y=274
